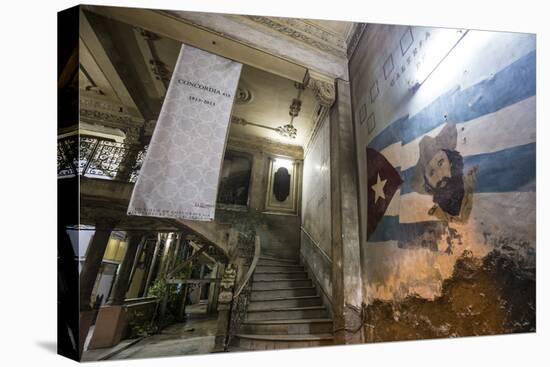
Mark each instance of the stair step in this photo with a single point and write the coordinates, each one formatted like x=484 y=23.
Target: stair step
x=264 y=295
x=282 y=267
x=288 y=327
x=267 y=257
x=288 y=302
x=276 y=261
x=290 y=313
x=279 y=283
x=260 y=342
x=280 y=275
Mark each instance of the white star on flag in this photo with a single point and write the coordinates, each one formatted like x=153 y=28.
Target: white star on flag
x=379 y=189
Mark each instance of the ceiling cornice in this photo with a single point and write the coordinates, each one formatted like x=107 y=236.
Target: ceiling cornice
x=303 y=31
x=355 y=36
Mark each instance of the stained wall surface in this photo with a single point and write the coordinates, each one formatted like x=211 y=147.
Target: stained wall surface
x=316 y=236
x=445 y=132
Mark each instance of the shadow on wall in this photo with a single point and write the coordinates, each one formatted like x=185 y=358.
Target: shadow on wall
x=488 y=296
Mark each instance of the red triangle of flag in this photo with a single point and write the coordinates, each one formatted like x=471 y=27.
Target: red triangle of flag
x=383 y=181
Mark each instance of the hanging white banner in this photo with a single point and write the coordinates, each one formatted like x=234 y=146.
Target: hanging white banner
x=180 y=174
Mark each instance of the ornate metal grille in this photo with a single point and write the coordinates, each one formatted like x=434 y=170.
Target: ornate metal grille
x=67 y=153
x=99 y=158
x=238 y=312
x=239 y=307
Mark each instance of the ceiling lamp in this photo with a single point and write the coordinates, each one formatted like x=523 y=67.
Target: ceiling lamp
x=288 y=130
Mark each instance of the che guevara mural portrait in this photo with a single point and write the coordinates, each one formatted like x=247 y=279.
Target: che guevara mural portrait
x=449 y=183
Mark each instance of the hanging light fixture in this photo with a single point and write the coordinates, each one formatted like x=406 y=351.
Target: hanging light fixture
x=288 y=130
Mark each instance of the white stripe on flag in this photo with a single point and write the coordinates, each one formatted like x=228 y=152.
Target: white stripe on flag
x=509 y=127
x=393 y=154
x=393 y=207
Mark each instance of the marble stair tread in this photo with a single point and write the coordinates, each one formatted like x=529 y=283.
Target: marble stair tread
x=282 y=322
x=280 y=272
x=285 y=289
x=284 y=302
x=279 y=284
x=278 y=280
x=266 y=295
x=282 y=309
x=279 y=259
x=294 y=337
x=284 y=265
x=274 y=274
x=280 y=275
x=285 y=298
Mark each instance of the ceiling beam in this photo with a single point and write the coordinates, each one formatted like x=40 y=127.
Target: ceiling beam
x=149 y=57
x=94 y=52
x=69 y=70
x=178 y=29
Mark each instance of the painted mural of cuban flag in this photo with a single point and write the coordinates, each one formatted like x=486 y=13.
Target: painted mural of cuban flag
x=459 y=174
x=180 y=174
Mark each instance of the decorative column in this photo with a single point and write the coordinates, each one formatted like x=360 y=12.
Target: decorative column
x=94 y=257
x=134 y=144
x=120 y=287
x=164 y=256
x=153 y=264
x=186 y=251
x=170 y=245
x=225 y=299
x=111 y=319
x=88 y=275
x=213 y=290
x=346 y=269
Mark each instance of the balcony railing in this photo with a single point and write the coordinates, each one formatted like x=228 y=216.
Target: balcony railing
x=99 y=158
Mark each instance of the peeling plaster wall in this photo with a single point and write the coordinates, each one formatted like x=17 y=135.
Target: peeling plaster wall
x=479 y=102
x=316 y=236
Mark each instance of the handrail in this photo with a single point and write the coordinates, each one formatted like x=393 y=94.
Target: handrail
x=316 y=243
x=257 y=250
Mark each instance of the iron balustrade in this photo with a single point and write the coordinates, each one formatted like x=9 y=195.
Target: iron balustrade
x=249 y=249
x=101 y=158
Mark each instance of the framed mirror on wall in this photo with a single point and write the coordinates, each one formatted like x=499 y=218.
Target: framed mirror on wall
x=284 y=179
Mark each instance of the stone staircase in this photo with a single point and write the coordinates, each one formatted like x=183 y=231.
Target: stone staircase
x=285 y=310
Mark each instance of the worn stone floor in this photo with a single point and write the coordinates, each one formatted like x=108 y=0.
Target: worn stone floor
x=193 y=337
x=196 y=336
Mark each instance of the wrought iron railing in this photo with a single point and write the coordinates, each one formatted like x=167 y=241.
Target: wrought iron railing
x=99 y=158
x=250 y=247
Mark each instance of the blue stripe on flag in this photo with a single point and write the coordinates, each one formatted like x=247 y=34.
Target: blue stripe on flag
x=419 y=234
x=386 y=229
x=512 y=84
